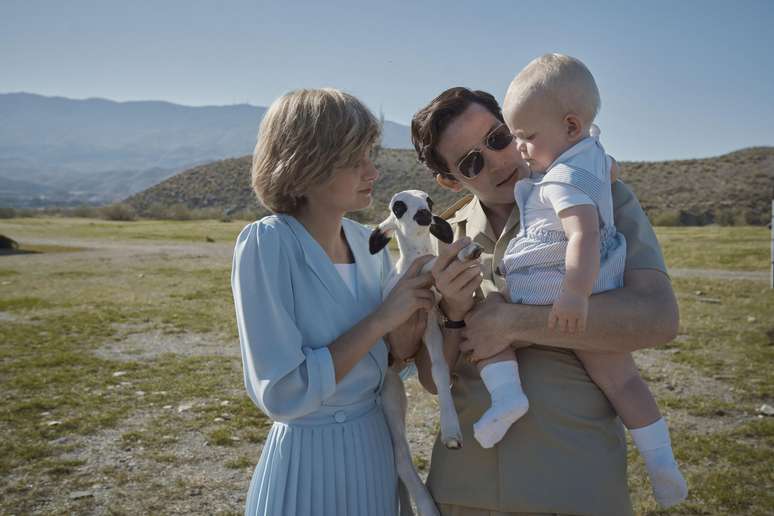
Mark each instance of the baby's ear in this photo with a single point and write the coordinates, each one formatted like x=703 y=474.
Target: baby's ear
x=574 y=126
x=441 y=230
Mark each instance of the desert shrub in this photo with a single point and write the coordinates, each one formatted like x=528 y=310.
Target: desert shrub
x=118 y=211
x=27 y=212
x=88 y=212
x=249 y=214
x=688 y=218
x=7 y=213
x=732 y=217
x=179 y=211
x=156 y=210
x=207 y=213
x=665 y=218
x=757 y=218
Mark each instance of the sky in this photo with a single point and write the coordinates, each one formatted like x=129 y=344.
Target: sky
x=678 y=79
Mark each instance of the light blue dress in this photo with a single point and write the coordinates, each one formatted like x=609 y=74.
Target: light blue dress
x=329 y=450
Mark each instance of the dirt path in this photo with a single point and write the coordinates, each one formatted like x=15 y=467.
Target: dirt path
x=720 y=274
x=224 y=251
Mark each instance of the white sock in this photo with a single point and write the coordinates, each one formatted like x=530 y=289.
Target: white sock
x=669 y=486
x=509 y=402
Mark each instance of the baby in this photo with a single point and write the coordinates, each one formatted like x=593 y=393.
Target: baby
x=568 y=248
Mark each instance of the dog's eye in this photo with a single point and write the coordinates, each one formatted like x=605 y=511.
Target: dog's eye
x=429 y=204
x=399 y=208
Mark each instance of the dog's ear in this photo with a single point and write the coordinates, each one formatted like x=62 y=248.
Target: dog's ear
x=381 y=235
x=441 y=230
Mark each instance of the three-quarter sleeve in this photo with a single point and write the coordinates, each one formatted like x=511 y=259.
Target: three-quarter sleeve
x=642 y=248
x=283 y=377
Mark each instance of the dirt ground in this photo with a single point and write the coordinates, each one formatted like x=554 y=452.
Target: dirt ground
x=200 y=481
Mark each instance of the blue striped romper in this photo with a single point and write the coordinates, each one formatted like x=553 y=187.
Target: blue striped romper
x=534 y=261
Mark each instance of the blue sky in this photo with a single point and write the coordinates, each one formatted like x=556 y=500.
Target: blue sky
x=678 y=79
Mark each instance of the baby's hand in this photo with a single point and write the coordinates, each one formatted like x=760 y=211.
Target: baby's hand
x=569 y=312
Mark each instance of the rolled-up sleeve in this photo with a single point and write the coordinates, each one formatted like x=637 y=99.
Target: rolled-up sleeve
x=283 y=377
x=642 y=248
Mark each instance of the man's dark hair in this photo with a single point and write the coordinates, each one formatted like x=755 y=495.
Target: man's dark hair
x=429 y=123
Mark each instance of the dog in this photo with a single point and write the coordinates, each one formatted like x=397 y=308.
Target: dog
x=412 y=222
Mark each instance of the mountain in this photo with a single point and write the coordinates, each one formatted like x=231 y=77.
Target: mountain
x=734 y=186
x=97 y=149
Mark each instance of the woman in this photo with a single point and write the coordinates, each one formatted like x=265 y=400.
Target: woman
x=310 y=314
x=568 y=453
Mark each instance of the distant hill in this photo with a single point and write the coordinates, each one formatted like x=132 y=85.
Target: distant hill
x=101 y=150
x=226 y=185
x=736 y=185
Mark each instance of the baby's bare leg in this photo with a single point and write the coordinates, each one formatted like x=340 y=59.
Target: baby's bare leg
x=617 y=376
x=500 y=375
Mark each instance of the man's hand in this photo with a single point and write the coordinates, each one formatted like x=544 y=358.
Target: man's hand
x=456 y=280
x=487 y=328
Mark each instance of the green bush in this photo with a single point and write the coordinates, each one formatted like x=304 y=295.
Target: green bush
x=732 y=217
x=118 y=211
x=179 y=211
x=7 y=213
x=666 y=218
x=87 y=212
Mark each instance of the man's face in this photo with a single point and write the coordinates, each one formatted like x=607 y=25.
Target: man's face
x=502 y=168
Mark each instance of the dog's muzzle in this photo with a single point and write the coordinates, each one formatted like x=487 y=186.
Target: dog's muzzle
x=423 y=217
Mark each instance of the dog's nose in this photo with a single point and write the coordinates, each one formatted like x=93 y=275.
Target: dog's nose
x=423 y=217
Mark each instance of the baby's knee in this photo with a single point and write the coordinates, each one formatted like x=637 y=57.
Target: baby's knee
x=614 y=380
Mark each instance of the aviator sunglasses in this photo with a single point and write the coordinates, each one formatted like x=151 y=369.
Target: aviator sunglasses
x=472 y=163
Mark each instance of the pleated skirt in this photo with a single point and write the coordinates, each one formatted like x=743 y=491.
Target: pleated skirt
x=336 y=469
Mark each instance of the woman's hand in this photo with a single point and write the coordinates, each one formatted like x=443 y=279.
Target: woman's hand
x=406 y=339
x=456 y=280
x=411 y=293
x=488 y=328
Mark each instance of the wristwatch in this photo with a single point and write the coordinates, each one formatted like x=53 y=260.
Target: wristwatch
x=453 y=325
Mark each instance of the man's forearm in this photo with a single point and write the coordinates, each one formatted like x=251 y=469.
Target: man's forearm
x=642 y=314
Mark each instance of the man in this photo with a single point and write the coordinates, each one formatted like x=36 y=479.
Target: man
x=568 y=453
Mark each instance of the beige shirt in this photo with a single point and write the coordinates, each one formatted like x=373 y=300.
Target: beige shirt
x=568 y=453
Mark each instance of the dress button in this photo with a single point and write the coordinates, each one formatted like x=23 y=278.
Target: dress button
x=340 y=416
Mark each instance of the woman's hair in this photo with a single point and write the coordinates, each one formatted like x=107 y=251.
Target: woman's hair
x=303 y=137
x=562 y=80
x=429 y=123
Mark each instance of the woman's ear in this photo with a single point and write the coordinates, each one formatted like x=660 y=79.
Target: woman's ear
x=448 y=182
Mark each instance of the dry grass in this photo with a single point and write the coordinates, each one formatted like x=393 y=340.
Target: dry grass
x=122 y=388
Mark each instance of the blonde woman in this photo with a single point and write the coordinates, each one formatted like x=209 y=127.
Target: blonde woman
x=312 y=324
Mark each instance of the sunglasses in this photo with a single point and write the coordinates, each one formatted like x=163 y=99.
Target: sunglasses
x=472 y=163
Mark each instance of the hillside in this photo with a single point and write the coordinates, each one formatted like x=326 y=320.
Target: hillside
x=55 y=150
x=735 y=187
